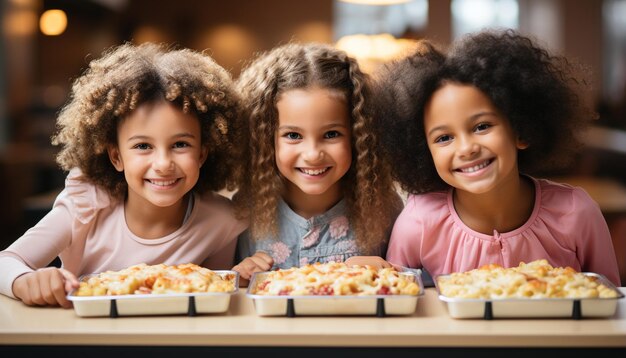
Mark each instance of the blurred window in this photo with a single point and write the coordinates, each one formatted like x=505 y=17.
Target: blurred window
x=397 y=20
x=474 y=15
x=614 y=51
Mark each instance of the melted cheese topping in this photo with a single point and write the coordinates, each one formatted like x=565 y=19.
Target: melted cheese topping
x=536 y=279
x=156 y=279
x=334 y=279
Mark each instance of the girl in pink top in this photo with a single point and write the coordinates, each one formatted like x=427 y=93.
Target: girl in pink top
x=147 y=139
x=463 y=127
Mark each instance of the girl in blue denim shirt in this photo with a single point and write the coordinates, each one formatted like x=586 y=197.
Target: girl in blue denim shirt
x=314 y=185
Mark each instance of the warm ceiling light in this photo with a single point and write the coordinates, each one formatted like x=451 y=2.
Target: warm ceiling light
x=376 y=2
x=372 y=50
x=53 y=22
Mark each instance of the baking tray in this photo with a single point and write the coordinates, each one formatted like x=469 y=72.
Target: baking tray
x=575 y=308
x=301 y=305
x=190 y=304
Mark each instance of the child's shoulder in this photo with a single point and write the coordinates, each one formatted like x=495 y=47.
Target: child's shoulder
x=428 y=203
x=435 y=198
x=556 y=188
x=212 y=201
x=83 y=192
x=83 y=198
x=214 y=209
x=427 y=210
x=569 y=197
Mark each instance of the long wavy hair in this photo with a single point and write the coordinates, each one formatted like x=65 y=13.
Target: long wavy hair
x=540 y=93
x=367 y=186
x=128 y=76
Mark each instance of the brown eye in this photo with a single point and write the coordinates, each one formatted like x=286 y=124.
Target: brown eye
x=482 y=127
x=142 y=146
x=443 y=138
x=293 y=136
x=181 y=145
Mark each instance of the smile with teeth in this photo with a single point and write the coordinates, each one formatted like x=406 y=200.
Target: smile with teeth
x=162 y=182
x=314 y=172
x=475 y=168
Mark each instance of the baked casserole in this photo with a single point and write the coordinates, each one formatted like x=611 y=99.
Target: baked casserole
x=156 y=279
x=335 y=279
x=536 y=279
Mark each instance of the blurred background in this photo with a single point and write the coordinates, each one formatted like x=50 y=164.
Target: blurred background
x=46 y=44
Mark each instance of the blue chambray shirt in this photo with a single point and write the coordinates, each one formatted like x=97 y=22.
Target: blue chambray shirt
x=324 y=238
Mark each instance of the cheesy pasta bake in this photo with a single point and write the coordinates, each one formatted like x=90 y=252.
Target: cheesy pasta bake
x=537 y=279
x=334 y=279
x=156 y=279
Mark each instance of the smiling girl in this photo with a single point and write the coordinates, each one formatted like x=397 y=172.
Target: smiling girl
x=466 y=131
x=317 y=190
x=147 y=140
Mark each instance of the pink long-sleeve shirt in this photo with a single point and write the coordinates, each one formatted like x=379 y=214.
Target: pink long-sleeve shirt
x=566 y=227
x=88 y=231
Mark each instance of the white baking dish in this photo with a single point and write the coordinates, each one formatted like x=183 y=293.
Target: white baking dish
x=379 y=305
x=575 y=308
x=155 y=304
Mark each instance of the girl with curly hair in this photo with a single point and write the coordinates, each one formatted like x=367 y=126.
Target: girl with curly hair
x=465 y=131
x=147 y=138
x=315 y=188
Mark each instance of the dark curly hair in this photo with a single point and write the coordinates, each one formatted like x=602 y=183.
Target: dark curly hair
x=541 y=95
x=367 y=186
x=128 y=76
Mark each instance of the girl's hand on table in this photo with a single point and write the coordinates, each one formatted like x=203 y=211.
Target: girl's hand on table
x=375 y=261
x=46 y=286
x=258 y=262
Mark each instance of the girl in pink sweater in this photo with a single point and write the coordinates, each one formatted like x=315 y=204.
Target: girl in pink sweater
x=464 y=130
x=147 y=138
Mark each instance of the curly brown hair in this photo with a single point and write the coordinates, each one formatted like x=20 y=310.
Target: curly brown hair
x=367 y=186
x=128 y=76
x=541 y=94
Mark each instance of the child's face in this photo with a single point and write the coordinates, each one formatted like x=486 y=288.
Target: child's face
x=472 y=144
x=160 y=152
x=313 y=146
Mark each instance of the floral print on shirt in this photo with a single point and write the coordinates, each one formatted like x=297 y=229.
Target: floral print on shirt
x=312 y=238
x=339 y=227
x=280 y=252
